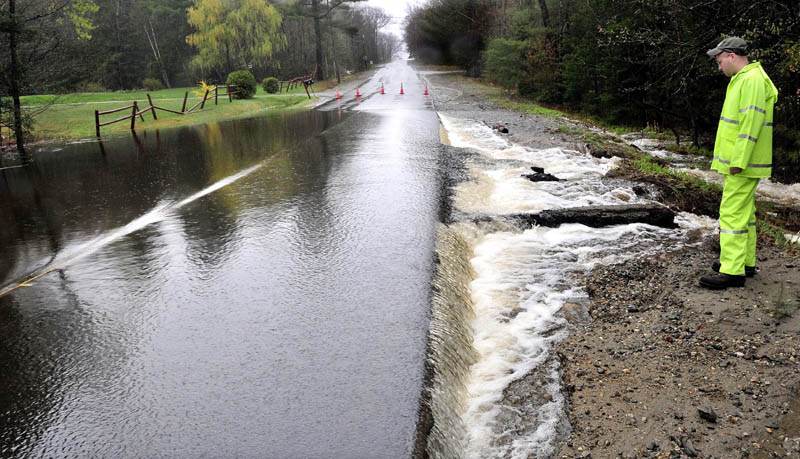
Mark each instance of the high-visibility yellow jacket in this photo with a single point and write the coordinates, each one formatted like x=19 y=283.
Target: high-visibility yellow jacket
x=744 y=134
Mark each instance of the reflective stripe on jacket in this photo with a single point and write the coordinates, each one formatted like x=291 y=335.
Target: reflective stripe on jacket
x=744 y=134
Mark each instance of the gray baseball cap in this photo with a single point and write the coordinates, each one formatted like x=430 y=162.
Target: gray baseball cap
x=729 y=45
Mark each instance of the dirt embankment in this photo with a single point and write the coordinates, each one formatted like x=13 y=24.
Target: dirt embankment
x=660 y=367
x=665 y=368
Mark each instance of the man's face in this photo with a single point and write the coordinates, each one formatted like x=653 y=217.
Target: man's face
x=725 y=63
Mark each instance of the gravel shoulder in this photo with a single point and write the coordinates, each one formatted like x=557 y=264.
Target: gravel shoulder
x=654 y=365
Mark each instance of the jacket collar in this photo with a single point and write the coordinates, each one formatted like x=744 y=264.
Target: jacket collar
x=746 y=68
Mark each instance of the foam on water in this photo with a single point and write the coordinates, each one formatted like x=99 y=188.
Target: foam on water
x=521 y=283
x=500 y=188
x=788 y=195
x=785 y=194
x=523 y=278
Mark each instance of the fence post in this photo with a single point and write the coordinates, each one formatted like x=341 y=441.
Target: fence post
x=216 y=94
x=97 y=122
x=152 y=107
x=133 y=115
x=185 y=96
x=230 y=97
x=205 y=96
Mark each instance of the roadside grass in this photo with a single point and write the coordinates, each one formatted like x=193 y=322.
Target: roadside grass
x=71 y=116
x=195 y=94
x=690 y=149
x=647 y=165
x=507 y=99
x=686 y=192
x=526 y=107
x=77 y=121
x=591 y=137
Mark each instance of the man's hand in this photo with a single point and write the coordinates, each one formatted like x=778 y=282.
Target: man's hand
x=736 y=170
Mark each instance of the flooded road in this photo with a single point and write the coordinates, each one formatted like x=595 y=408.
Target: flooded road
x=254 y=288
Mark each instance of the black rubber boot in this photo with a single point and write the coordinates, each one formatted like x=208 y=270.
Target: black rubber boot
x=721 y=281
x=749 y=271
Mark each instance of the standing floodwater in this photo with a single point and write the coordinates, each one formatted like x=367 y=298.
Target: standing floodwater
x=256 y=288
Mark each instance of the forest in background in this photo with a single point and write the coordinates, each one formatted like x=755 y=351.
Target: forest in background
x=631 y=62
x=72 y=45
x=62 y=46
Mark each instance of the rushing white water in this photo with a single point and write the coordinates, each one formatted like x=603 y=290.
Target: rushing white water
x=522 y=279
x=788 y=195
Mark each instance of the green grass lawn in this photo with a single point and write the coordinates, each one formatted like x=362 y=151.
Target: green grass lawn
x=128 y=96
x=71 y=116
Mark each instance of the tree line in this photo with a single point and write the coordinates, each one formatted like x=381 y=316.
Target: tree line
x=59 y=46
x=634 y=62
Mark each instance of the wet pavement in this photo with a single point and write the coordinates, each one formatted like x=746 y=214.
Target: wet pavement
x=253 y=288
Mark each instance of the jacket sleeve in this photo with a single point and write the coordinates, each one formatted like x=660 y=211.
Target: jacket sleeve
x=752 y=112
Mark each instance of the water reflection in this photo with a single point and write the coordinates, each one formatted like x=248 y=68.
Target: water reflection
x=253 y=288
x=77 y=192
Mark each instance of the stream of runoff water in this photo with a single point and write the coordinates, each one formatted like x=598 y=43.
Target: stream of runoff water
x=500 y=291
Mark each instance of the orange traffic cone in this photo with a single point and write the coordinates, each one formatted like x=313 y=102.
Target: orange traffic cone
x=401 y=88
x=358 y=94
x=337 y=94
x=426 y=89
x=382 y=89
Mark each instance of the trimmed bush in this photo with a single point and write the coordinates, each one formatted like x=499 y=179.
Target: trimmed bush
x=151 y=84
x=270 y=85
x=245 y=81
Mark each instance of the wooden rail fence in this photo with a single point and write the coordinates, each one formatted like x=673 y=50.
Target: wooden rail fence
x=135 y=112
x=305 y=80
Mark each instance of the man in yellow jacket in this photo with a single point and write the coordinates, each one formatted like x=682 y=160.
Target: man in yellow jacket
x=743 y=154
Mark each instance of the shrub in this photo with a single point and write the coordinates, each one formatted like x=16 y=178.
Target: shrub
x=151 y=84
x=270 y=85
x=92 y=87
x=245 y=82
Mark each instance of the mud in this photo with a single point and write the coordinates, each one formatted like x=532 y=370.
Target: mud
x=654 y=365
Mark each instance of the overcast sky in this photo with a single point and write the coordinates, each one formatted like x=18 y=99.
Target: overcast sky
x=395 y=8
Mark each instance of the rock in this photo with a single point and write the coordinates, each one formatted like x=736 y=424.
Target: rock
x=541 y=177
x=500 y=128
x=609 y=149
x=688 y=448
x=707 y=413
x=600 y=216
